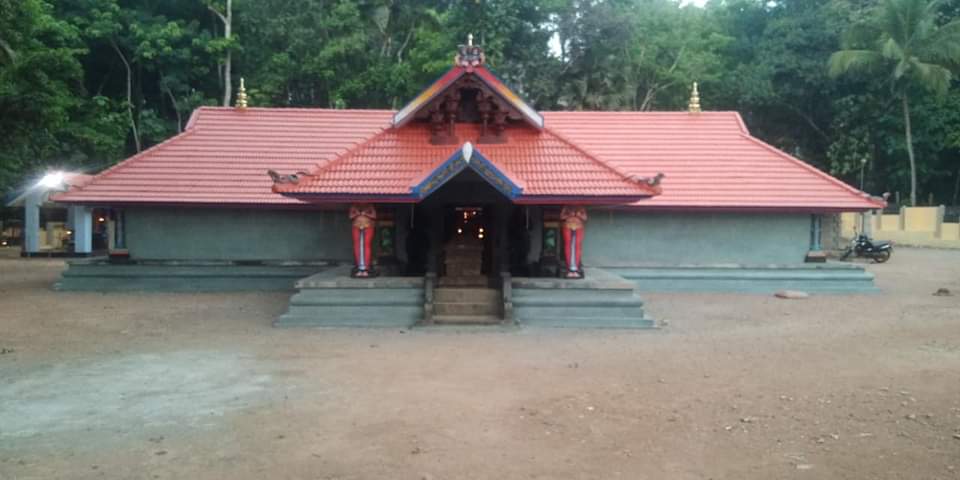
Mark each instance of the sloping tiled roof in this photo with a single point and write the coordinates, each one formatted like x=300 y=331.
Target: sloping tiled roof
x=710 y=161
x=392 y=162
x=224 y=154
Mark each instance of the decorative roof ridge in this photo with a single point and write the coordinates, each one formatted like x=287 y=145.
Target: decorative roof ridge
x=176 y=138
x=743 y=125
x=820 y=173
x=218 y=108
x=653 y=188
x=337 y=158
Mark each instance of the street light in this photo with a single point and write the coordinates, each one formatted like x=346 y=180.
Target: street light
x=52 y=180
x=863 y=165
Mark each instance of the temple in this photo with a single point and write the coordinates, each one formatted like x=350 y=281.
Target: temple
x=466 y=206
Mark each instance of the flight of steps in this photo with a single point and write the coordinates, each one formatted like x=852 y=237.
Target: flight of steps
x=463 y=264
x=466 y=306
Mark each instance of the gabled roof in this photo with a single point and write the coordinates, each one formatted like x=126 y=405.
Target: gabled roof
x=390 y=165
x=710 y=160
x=438 y=87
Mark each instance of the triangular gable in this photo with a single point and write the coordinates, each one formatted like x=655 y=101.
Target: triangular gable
x=468 y=157
x=486 y=77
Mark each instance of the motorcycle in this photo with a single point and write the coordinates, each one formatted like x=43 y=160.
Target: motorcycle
x=862 y=246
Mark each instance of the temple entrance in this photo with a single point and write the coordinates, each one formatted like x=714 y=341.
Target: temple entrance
x=467 y=246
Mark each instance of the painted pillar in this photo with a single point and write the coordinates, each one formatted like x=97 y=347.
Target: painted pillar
x=83 y=229
x=31 y=221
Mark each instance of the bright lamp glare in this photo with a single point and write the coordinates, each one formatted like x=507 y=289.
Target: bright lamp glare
x=52 y=180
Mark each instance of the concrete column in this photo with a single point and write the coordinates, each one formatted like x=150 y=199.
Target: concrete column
x=902 y=225
x=815 y=233
x=535 y=228
x=866 y=222
x=816 y=253
x=401 y=222
x=83 y=229
x=938 y=222
x=120 y=242
x=31 y=221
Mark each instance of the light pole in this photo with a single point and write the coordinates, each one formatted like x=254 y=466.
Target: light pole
x=863 y=166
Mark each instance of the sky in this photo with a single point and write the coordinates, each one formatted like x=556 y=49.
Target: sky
x=698 y=3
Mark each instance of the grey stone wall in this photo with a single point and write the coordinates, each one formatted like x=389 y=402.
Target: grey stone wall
x=234 y=234
x=616 y=238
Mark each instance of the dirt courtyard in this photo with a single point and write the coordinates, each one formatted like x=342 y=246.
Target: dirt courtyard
x=200 y=386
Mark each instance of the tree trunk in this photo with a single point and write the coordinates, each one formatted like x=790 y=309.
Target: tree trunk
x=176 y=108
x=133 y=122
x=227 y=20
x=10 y=52
x=913 y=160
x=228 y=64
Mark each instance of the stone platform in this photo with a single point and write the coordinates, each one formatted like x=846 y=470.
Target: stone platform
x=333 y=299
x=601 y=300
x=830 y=277
x=99 y=274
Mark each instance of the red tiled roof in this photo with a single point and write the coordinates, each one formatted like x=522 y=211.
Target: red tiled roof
x=224 y=154
x=710 y=161
x=544 y=164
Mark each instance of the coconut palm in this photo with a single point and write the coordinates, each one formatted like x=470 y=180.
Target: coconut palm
x=904 y=45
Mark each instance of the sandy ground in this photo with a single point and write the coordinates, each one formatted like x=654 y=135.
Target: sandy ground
x=175 y=386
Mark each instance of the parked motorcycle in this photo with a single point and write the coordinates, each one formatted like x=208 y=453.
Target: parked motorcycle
x=863 y=246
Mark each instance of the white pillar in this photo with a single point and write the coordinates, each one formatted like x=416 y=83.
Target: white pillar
x=31 y=221
x=82 y=229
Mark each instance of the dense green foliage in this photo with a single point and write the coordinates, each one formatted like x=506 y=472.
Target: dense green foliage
x=84 y=83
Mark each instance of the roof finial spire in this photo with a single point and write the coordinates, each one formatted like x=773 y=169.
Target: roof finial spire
x=695 y=99
x=469 y=55
x=241 y=95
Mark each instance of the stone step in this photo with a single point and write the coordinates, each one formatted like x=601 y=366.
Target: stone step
x=464 y=281
x=466 y=320
x=478 y=295
x=464 y=259
x=465 y=308
x=463 y=272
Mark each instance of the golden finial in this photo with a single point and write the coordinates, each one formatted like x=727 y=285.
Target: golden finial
x=695 y=99
x=242 y=95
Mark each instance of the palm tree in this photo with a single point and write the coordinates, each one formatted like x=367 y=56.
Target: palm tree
x=904 y=44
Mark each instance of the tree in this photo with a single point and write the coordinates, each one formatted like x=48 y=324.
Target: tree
x=40 y=77
x=903 y=41
x=226 y=17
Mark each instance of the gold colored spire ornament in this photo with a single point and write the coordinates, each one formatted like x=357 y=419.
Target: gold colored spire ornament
x=695 y=99
x=241 y=95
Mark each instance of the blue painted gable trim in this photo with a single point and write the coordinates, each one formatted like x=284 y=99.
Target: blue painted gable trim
x=456 y=164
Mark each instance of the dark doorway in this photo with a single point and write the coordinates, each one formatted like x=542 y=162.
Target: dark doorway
x=461 y=230
x=467 y=246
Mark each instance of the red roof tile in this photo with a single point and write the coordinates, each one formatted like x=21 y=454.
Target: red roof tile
x=709 y=159
x=223 y=156
x=397 y=159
